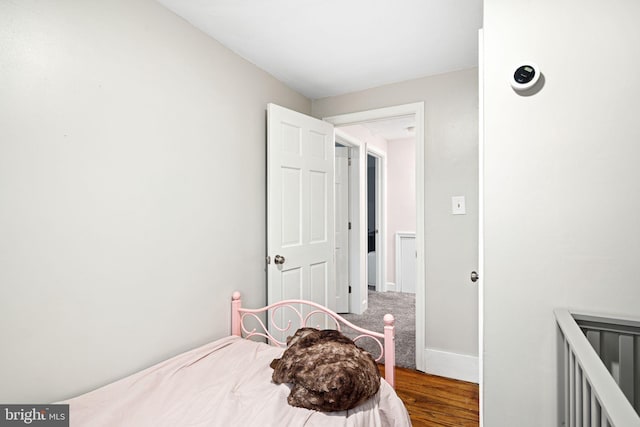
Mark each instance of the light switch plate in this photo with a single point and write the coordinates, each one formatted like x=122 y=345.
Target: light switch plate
x=457 y=205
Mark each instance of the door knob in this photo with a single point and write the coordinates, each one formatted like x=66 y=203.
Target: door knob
x=279 y=259
x=474 y=276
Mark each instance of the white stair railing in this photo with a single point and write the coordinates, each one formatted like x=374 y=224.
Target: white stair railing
x=592 y=398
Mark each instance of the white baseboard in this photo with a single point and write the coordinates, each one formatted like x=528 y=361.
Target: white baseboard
x=452 y=365
x=390 y=286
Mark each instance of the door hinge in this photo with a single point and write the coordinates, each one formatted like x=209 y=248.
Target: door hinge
x=349 y=288
x=349 y=161
x=349 y=225
x=268 y=260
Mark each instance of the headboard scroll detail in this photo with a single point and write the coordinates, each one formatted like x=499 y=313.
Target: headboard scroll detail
x=383 y=342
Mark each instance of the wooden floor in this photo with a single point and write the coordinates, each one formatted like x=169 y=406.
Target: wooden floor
x=437 y=401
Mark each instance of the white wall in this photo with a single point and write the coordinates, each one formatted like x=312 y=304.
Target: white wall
x=132 y=186
x=401 y=196
x=451 y=168
x=561 y=189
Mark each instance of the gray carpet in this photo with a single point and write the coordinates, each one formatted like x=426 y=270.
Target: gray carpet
x=403 y=308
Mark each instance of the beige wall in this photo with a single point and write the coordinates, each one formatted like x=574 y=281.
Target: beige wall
x=561 y=189
x=451 y=169
x=132 y=185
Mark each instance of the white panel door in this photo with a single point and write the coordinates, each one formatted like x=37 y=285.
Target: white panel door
x=342 y=229
x=406 y=262
x=300 y=210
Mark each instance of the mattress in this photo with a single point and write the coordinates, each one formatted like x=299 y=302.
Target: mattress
x=223 y=383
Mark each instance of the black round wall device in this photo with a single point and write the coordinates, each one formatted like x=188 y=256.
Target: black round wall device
x=525 y=76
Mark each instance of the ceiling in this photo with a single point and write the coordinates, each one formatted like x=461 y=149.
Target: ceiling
x=323 y=48
x=392 y=129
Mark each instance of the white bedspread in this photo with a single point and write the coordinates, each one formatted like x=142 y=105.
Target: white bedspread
x=225 y=383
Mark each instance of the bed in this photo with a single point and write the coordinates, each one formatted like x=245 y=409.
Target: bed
x=228 y=382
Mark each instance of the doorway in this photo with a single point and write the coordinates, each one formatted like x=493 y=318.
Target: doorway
x=376 y=219
x=372 y=226
x=359 y=295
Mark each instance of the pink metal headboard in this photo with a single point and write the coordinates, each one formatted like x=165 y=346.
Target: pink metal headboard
x=385 y=341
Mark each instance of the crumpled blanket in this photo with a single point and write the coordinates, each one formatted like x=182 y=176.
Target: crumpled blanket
x=327 y=370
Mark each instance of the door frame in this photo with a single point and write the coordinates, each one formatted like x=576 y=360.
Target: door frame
x=357 y=200
x=481 y=222
x=340 y=222
x=416 y=109
x=381 y=217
